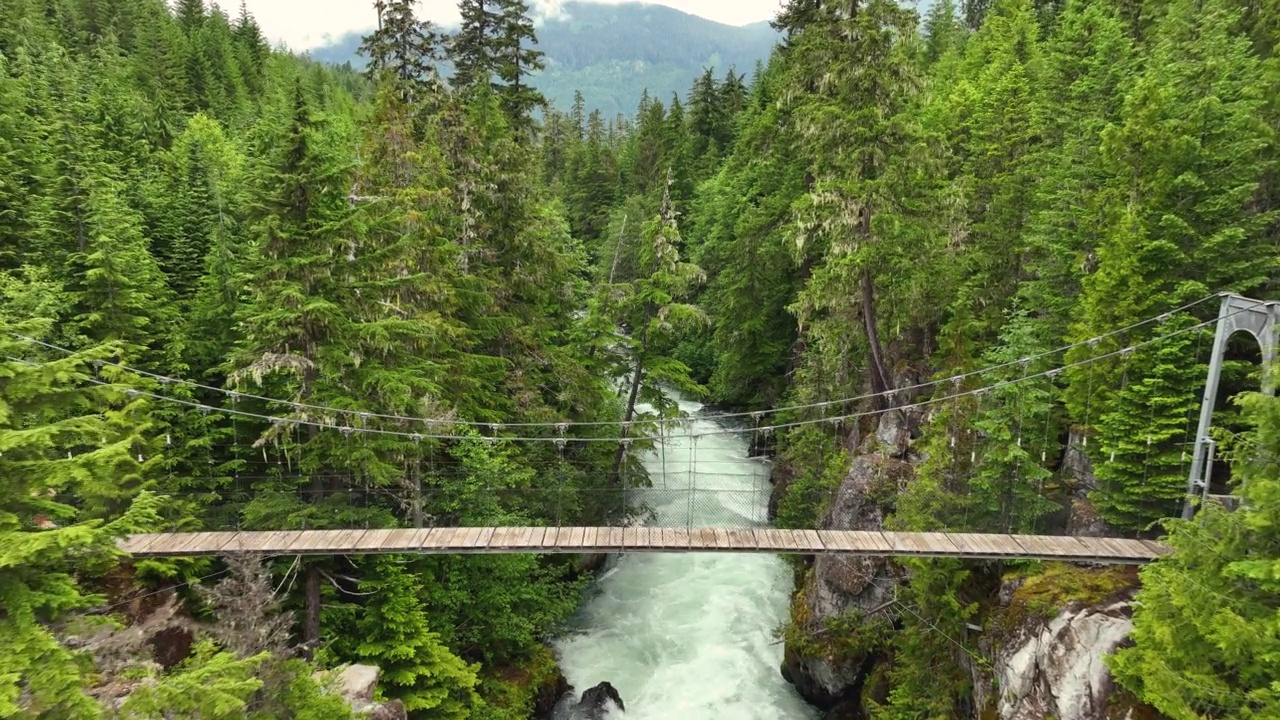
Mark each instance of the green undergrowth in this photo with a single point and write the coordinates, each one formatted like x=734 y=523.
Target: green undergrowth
x=844 y=639
x=510 y=692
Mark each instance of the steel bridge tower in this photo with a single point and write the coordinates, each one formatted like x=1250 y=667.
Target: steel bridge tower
x=1259 y=318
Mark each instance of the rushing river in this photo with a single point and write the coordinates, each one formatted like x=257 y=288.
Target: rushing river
x=690 y=636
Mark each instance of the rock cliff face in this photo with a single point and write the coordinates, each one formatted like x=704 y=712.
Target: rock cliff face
x=1044 y=643
x=1058 y=670
x=843 y=586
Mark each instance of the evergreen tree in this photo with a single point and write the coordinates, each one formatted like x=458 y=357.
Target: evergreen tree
x=390 y=630
x=1205 y=627
x=516 y=60
x=63 y=439
x=650 y=307
x=406 y=48
x=1186 y=157
x=474 y=49
x=858 y=210
x=119 y=289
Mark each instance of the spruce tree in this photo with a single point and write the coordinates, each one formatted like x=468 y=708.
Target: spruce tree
x=651 y=307
x=858 y=209
x=1206 y=639
x=295 y=332
x=406 y=48
x=1186 y=159
x=474 y=49
x=516 y=60
x=389 y=628
x=63 y=439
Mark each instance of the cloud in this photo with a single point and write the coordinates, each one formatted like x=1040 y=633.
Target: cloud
x=306 y=24
x=544 y=10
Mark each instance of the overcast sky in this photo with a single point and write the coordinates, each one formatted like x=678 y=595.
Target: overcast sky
x=304 y=24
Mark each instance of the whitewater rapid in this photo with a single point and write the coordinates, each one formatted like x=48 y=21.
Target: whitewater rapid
x=691 y=636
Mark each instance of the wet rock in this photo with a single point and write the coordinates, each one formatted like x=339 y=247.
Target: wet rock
x=596 y=702
x=550 y=697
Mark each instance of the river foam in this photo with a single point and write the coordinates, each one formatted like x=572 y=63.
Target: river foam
x=691 y=636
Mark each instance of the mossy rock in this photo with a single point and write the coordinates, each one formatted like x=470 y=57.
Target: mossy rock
x=1047 y=589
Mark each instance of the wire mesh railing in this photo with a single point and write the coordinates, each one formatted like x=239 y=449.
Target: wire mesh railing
x=684 y=500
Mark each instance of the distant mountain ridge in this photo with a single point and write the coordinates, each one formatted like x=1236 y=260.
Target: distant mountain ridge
x=612 y=53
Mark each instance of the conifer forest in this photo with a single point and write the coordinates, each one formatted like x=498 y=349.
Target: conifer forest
x=232 y=277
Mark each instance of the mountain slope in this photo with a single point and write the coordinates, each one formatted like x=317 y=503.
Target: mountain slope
x=614 y=52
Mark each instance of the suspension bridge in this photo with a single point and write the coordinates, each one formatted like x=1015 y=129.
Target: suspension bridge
x=737 y=528
x=552 y=540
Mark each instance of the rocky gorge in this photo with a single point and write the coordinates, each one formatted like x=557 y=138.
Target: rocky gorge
x=1042 y=631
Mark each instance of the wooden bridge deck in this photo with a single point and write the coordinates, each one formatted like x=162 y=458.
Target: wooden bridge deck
x=645 y=539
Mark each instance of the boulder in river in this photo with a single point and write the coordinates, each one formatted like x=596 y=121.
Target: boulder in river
x=595 y=704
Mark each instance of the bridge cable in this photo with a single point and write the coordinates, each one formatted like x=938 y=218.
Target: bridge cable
x=166 y=380
x=322 y=425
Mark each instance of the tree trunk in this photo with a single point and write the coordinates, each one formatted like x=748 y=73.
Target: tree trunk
x=881 y=382
x=620 y=453
x=311 y=628
x=617 y=249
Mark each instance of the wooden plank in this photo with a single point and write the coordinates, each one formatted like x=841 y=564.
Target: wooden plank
x=576 y=536
x=780 y=540
x=905 y=543
x=722 y=539
x=702 y=539
x=212 y=542
x=1157 y=549
x=611 y=538
x=811 y=540
x=160 y=545
x=151 y=543
x=307 y=541
x=467 y=538
x=681 y=538
x=371 y=540
x=590 y=538
x=1040 y=547
x=631 y=537
x=395 y=540
x=522 y=538
x=982 y=545
x=505 y=538
x=871 y=541
x=836 y=541
x=434 y=539
x=141 y=544
x=939 y=542
x=1094 y=548
x=742 y=540
x=347 y=540
x=464 y=538
x=481 y=541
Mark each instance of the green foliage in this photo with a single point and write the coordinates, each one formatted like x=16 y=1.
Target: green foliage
x=820 y=464
x=214 y=684
x=63 y=440
x=1206 y=630
x=389 y=629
